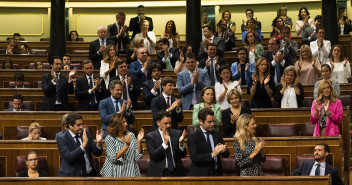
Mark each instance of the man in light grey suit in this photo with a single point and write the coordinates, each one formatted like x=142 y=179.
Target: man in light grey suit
x=208 y=33
x=190 y=82
x=287 y=45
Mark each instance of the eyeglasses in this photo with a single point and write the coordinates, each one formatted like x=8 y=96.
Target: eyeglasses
x=32 y=160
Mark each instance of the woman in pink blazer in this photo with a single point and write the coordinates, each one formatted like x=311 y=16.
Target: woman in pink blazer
x=326 y=111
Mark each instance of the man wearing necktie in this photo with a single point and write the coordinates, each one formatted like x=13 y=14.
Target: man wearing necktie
x=310 y=34
x=166 y=148
x=167 y=57
x=206 y=147
x=319 y=166
x=76 y=147
x=152 y=88
x=226 y=35
x=208 y=33
x=118 y=32
x=139 y=68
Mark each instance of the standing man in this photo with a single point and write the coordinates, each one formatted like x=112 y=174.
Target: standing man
x=310 y=34
x=89 y=89
x=227 y=36
x=250 y=15
x=206 y=147
x=167 y=56
x=97 y=47
x=135 y=26
x=208 y=33
x=56 y=87
x=287 y=45
x=166 y=148
x=115 y=104
x=190 y=82
x=319 y=166
x=75 y=146
x=17 y=103
x=139 y=68
x=152 y=88
x=166 y=101
x=118 y=32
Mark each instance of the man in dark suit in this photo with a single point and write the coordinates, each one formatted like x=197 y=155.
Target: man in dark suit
x=167 y=57
x=206 y=147
x=97 y=47
x=152 y=88
x=131 y=89
x=166 y=101
x=76 y=147
x=135 y=26
x=17 y=103
x=139 y=68
x=289 y=46
x=18 y=78
x=89 y=89
x=278 y=60
x=319 y=166
x=310 y=34
x=118 y=32
x=212 y=63
x=56 y=88
x=166 y=148
x=115 y=104
x=208 y=33
x=226 y=35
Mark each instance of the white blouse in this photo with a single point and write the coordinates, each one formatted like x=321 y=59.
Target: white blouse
x=341 y=73
x=289 y=99
x=251 y=56
x=219 y=88
x=150 y=47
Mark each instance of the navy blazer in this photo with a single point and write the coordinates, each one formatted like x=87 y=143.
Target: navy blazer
x=200 y=153
x=72 y=156
x=307 y=165
x=147 y=95
x=158 y=153
x=269 y=58
x=220 y=48
x=175 y=55
x=186 y=89
x=49 y=90
x=135 y=27
x=81 y=92
x=135 y=70
x=112 y=32
x=94 y=56
x=159 y=104
x=107 y=109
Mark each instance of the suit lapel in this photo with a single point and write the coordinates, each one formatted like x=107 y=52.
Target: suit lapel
x=187 y=75
x=158 y=139
x=70 y=141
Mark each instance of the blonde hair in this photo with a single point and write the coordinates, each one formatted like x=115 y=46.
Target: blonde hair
x=33 y=126
x=320 y=97
x=288 y=69
x=240 y=135
x=305 y=46
x=106 y=55
x=234 y=91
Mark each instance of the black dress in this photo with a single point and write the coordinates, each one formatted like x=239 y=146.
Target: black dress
x=278 y=96
x=261 y=99
x=24 y=173
x=229 y=128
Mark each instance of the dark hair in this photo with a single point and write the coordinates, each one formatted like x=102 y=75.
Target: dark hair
x=318 y=17
x=25 y=45
x=154 y=66
x=67 y=55
x=319 y=28
x=249 y=10
x=299 y=13
x=18 y=77
x=69 y=36
x=341 y=56
x=18 y=97
x=326 y=146
x=277 y=41
x=247 y=52
x=327 y=66
x=121 y=62
x=254 y=35
x=210 y=44
x=173 y=27
x=285 y=28
x=203 y=113
x=86 y=62
x=55 y=57
x=115 y=125
x=72 y=118
x=203 y=91
x=16 y=35
x=209 y=28
x=118 y=15
x=30 y=152
x=113 y=83
x=164 y=41
x=7 y=60
x=36 y=64
x=140 y=6
x=223 y=67
x=223 y=14
x=191 y=55
x=161 y=114
x=274 y=21
x=184 y=49
x=167 y=80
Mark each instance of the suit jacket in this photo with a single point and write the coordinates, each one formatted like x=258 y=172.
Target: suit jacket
x=49 y=90
x=96 y=56
x=147 y=95
x=186 y=89
x=307 y=165
x=220 y=48
x=134 y=92
x=135 y=70
x=292 y=49
x=81 y=92
x=112 y=32
x=72 y=156
x=158 y=153
x=269 y=58
x=228 y=127
x=230 y=43
x=107 y=109
x=202 y=64
x=200 y=153
x=175 y=55
x=307 y=32
x=12 y=109
x=135 y=27
x=159 y=104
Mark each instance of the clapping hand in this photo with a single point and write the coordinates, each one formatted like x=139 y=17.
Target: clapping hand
x=165 y=135
x=234 y=118
x=180 y=140
x=267 y=79
x=98 y=136
x=140 y=135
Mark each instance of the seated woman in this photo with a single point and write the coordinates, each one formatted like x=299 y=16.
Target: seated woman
x=304 y=21
x=34 y=132
x=73 y=36
x=231 y=115
x=38 y=65
x=326 y=75
x=243 y=69
x=326 y=111
x=224 y=85
x=289 y=93
x=277 y=28
x=179 y=65
x=148 y=37
x=122 y=149
x=307 y=67
x=108 y=64
x=261 y=86
x=341 y=68
x=207 y=96
x=136 y=43
x=230 y=25
x=171 y=34
x=282 y=13
x=7 y=64
x=249 y=151
x=251 y=26
x=32 y=164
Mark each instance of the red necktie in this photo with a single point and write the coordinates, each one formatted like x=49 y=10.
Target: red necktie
x=168 y=102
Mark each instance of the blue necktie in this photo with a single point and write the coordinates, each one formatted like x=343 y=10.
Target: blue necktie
x=278 y=72
x=170 y=160
x=117 y=106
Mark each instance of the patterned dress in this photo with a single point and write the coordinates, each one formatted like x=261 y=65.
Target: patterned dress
x=249 y=167
x=125 y=166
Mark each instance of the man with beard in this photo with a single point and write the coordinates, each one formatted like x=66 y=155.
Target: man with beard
x=152 y=88
x=319 y=166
